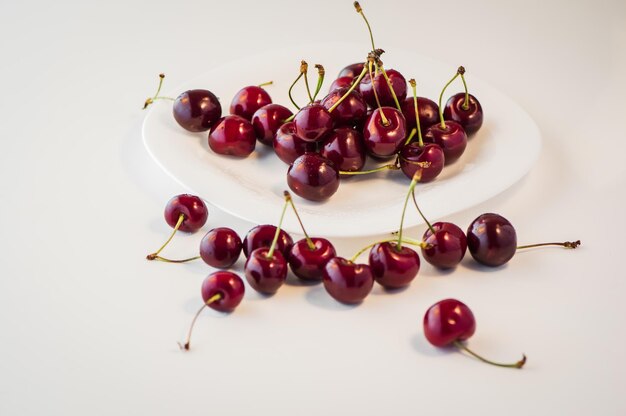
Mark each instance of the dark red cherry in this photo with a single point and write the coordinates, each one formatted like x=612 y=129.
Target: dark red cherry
x=351 y=71
x=228 y=285
x=346 y=281
x=265 y=274
x=446 y=247
x=428 y=113
x=491 y=240
x=392 y=267
x=452 y=139
x=313 y=122
x=429 y=159
x=345 y=148
x=313 y=177
x=233 y=136
x=471 y=118
x=248 y=100
x=308 y=263
x=192 y=207
x=266 y=121
x=352 y=111
x=197 y=110
x=382 y=140
x=341 y=82
x=220 y=247
x=288 y=146
x=398 y=83
x=262 y=236
x=448 y=321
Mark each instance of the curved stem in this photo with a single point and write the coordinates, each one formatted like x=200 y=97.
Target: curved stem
x=154 y=255
x=411 y=135
x=156 y=95
x=566 y=244
x=304 y=68
x=212 y=299
x=270 y=253
x=291 y=88
x=382 y=114
x=443 y=124
x=406 y=202
x=265 y=84
x=430 y=227
x=166 y=260
x=309 y=242
x=393 y=93
x=365 y=172
x=359 y=10
x=465 y=104
x=405 y=240
x=320 y=79
x=355 y=83
x=518 y=364
x=417 y=113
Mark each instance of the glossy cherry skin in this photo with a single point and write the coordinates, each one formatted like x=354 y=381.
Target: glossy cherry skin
x=447 y=321
x=491 y=240
x=452 y=139
x=351 y=112
x=220 y=247
x=412 y=156
x=398 y=83
x=228 y=285
x=345 y=148
x=266 y=121
x=446 y=247
x=288 y=146
x=197 y=110
x=313 y=122
x=248 y=100
x=264 y=274
x=428 y=112
x=351 y=71
x=233 y=136
x=308 y=263
x=381 y=140
x=346 y=281
x=341 y=82
x=471 y=118
x=192 y=207
x=313 y=177
x=262 y=236
x=393 y=268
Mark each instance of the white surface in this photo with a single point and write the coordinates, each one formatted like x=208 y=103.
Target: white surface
x=89 y=327
x=497 y=156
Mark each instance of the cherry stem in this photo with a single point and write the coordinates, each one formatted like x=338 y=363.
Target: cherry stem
x=154 y=255
x=411 y=135
x=156 y=95
x=390 y=166
x=382 y=114
x=265 y=84
x=304 y=68
x=212 y=299
x=270 y=253
x=166 y=260
x=414 y=180
x=355 y=83
x=443 y=124
x=518 y=364
x=566 y=244
x=291 y=88
x=430 y=227
x=359 y=10
x=320 y=79
x=405 y=240
x=417 y=117
x=465 y=104
x=295 y=211
x=393 y=93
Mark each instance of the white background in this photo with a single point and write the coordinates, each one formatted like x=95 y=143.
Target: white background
x=88 y=326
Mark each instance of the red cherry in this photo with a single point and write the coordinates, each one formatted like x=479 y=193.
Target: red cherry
x=384 y=140
x=398 y=83
x=352 y=111
x=351 y=71
x=341 y=82
x=428 y=112
x=262 y=236
x=191 y=207
x=248 y=100
x=228 y=286
x=345 y=148
x=313 y=177
x=288 y=146
x=197 y=110
x=266 y=121
x=392 y=267
x=448 y=321
x=471 y=118
x=220 y=247
x=446 y=246
x=428 y=159
x=313 y=122
x=232 y=135
x=346 y=281
x=451 y=138
x=491 y=240
x=266 y=274
x=307 y=262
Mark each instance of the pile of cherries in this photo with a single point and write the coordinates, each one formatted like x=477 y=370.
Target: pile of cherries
x=366 y=113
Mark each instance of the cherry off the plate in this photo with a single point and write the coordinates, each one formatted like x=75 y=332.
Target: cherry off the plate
x=251 y=188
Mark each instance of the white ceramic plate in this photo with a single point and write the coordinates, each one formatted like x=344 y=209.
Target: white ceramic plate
x=501 y=153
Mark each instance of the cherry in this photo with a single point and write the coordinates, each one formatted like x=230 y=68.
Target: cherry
x=384 y=132
x=346 y=281
x=341 y=82
x=288 y=146
x=449 y=322
x=197 y=110
x=491 y=239
x=222 y=291
x=428 y=112
x=220 y=247
x=393 y=267
x=313 y=177
x=266 y=121
x=352 y=110
x=450 y=137
x=313 y=122
x=464 y=108
x=188 y=210
x=345 y=148
x=232 y=135
x=262 y=236
x=248 y=100
x=351 y=71
x=380 y=86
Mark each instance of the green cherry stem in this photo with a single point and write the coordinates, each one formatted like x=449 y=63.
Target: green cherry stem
x=411 y=135
x=465 y=104
x=382 y=114
x=566 y=244
x=309 y=242
x=405 y=241
x=270 y=253
x=291 y=89
x=430 y=227
x=391 y=166
x=458 y=72
x=414 y=180
x=320 y=79
x=352 y=87
x=393 y=93
x=166 y=260
x=212 y=299
x=304 y=68
x=265 y=84
x=518 y=364
x=420 y=142
x=156 y=95
x=154 y=255
x=359 y=10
